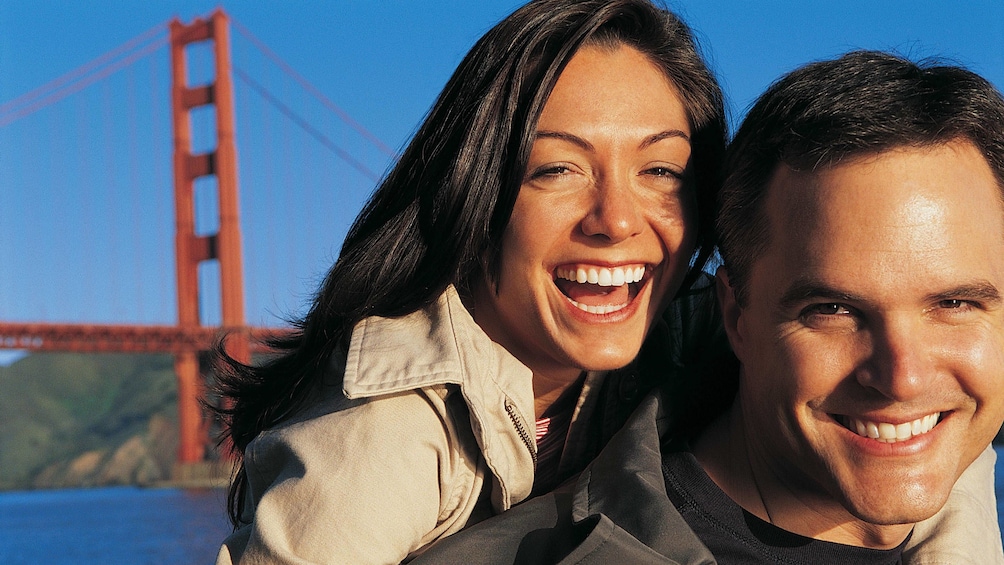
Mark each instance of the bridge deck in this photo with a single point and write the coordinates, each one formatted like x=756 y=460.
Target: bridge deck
x=93 y=338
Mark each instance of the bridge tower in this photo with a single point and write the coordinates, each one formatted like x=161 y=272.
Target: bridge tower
x=192 y=249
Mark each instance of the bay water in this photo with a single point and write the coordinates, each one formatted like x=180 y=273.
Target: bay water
x=109 y=526
x=138 y=526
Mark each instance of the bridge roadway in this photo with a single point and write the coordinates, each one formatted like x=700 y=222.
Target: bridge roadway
x=183 y=342
x=95 y=338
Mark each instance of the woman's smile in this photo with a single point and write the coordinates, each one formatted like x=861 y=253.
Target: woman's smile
x=600 y=290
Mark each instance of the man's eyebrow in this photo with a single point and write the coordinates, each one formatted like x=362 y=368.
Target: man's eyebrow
x=807 y=289
x=982 y=291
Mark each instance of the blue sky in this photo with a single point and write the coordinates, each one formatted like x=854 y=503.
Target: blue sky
x=384 y=62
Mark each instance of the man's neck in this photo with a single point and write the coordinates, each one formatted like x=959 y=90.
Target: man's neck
x=758 y=483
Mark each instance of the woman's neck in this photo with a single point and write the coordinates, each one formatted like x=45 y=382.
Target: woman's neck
x=548 y=388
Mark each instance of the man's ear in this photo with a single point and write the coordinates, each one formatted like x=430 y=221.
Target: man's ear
x=731 y=311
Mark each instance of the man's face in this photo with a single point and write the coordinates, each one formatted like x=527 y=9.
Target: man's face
x=872 y=342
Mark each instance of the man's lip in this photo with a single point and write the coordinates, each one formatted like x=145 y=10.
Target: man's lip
x=890 y=430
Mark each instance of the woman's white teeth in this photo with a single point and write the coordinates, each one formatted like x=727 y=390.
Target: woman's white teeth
x=600 y=309
x=602 y=276
x=891 y=433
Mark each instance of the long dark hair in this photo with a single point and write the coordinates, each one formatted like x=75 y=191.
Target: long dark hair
x=438 y=217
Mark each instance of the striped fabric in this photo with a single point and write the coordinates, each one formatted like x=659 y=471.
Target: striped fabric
x=552 y=430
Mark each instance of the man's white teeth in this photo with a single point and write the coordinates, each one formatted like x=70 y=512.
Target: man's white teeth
x=602 y=276
x=891 y=433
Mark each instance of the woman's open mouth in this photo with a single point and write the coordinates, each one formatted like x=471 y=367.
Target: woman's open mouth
x=600 y=290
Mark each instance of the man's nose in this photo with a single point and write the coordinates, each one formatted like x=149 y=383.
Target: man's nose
x=615 y=213
x=902 y=365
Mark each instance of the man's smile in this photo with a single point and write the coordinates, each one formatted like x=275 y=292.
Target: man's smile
x=887 y=432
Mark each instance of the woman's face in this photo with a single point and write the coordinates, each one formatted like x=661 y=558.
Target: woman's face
x=603 y=226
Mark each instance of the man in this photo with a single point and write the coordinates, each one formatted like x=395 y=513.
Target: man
x=862 y=232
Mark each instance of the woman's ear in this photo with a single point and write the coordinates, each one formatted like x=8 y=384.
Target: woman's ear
x=731 y=311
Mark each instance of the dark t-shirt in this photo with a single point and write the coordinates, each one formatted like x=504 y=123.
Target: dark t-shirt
x=736 y=537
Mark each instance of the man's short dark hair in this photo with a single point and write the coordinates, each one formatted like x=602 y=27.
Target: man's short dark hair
x=828 y=112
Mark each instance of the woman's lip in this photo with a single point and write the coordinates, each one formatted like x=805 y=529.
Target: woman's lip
x=605 y=312
x=602 y=275
x=598 y=264
x=603 y=290
x=595 y=303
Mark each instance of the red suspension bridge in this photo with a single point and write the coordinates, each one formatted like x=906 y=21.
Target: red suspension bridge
x=97 y=159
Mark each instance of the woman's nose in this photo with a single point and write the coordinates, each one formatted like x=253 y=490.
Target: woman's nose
x=615 y=213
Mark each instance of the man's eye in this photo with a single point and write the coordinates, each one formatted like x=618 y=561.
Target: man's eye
x=830 y=309
x=956 y=308
x=829 y=315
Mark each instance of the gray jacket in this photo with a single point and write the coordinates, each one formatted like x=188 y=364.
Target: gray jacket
x=618 y=511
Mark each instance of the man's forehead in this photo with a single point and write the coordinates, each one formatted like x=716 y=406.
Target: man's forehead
x=954 y=168
x=930 y=214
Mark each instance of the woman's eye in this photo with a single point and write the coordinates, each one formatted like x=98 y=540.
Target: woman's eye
x=549 y=171
x=558 y=177
x=664 y=172
x=553 y=171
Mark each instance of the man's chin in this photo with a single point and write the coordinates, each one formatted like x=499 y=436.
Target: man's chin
x=898 y=504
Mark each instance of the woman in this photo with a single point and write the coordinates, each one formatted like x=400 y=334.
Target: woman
x=500 y=268
x=527 y=241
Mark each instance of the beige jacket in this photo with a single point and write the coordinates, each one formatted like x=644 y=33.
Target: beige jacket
x=965 y=531
x=431 y=410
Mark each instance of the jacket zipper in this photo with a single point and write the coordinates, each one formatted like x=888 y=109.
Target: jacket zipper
x=521 y=430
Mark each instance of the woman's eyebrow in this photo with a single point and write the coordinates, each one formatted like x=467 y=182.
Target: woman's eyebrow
x=565 y=136
x=574 y=139
x=655 y=138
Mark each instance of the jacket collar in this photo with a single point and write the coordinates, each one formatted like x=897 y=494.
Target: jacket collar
x=441 y=344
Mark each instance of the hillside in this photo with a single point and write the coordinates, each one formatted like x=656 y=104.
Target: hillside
x=82 y=420
x=86 y=420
